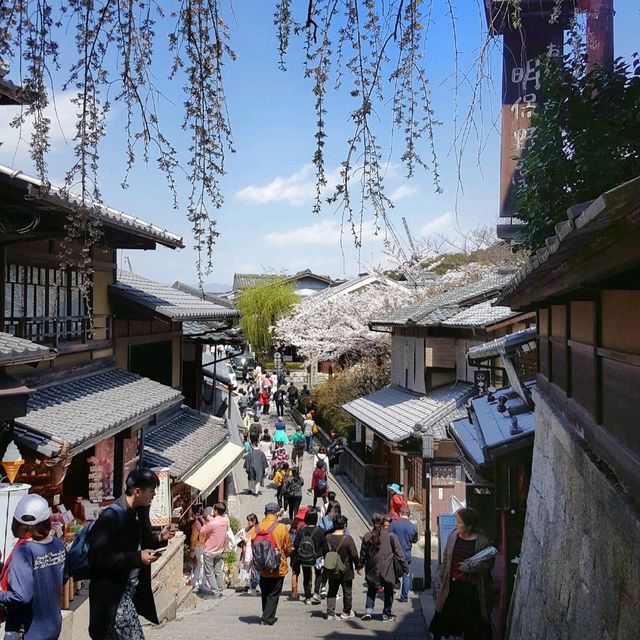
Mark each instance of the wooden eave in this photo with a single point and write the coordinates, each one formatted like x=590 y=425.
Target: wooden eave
x=602 y=245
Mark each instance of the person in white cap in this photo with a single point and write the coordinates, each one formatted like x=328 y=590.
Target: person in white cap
x=35 y=576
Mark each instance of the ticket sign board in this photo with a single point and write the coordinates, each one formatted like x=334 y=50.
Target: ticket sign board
x=160 y=512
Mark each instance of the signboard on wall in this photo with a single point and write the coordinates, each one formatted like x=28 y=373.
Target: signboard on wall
x=160 y=512
x=446 y=524
x=443 y=475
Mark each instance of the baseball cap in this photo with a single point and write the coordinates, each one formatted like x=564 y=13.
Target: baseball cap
x=271 y=507
x=32 y=509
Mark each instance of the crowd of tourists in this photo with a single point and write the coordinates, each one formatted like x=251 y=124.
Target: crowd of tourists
x=311 y=543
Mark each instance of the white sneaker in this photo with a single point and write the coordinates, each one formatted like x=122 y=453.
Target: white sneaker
x=253 y=592
x=347 y=616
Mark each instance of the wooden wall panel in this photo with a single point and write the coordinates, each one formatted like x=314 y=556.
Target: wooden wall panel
x=621 y=321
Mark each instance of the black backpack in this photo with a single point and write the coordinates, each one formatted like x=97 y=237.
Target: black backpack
x=306 y=547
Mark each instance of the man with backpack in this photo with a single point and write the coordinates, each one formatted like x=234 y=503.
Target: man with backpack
x=340 y=560
x=271 y=546
x=309 y=546
x=292 y=491
x=299 y=443
x=122 y=547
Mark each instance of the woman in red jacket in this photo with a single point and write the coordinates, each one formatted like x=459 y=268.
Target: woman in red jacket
x=264 y=399
x=397 y=501
x=319 y=483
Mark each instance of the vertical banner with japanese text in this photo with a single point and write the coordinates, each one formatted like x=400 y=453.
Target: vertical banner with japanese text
x=160 y=512
x=523 y=50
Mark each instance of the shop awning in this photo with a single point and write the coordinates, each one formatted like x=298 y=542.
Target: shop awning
x=213 y=468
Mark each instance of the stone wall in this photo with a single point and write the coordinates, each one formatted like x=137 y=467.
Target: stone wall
x=579 y=575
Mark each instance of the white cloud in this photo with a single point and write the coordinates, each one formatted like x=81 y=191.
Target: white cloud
x=441 y=224
x=403 y=191
x=295 y=189
x=14 y=150
x=323 y=233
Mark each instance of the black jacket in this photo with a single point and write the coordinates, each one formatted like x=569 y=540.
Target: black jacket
x=378 y=561
x=113 y=553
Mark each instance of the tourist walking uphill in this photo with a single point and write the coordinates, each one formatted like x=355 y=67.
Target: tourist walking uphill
x=340 y=561
x=271 y=548
x=407 y=534
x=379 y=555
x=255 y=464
x=121 y=552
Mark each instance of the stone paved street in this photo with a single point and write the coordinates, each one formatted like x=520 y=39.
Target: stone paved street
x=237 y=615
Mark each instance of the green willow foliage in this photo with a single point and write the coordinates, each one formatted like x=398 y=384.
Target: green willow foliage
x=587 y=141
x=261 y=306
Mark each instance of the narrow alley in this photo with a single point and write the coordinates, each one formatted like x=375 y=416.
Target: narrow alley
x=238 y=614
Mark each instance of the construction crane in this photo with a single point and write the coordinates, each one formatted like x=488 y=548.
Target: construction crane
x=411 y=244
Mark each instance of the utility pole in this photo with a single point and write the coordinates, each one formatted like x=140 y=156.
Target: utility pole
x=599 y=32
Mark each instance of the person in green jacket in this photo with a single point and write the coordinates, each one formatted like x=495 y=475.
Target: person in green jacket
x=299 y=444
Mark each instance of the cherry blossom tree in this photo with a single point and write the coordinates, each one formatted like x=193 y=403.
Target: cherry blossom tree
x=337 y=327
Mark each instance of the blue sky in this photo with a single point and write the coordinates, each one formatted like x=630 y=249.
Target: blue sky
x=267 y=221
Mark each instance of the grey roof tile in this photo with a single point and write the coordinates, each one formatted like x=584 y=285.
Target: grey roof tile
x=198 y=293
x=421 y=313
x=245 y=280
x=108 y=215
x=19 y=351
x=183 y=441
x=167 y=301
x=393 y=412
x=479 y=315
x=80 y=410
x=524 y=340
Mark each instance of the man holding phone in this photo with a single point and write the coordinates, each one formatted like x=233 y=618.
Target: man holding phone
x=122 y=547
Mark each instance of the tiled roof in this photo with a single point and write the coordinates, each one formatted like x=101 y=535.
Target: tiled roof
x=108 y=215
x=166 y=300
x=479 y=315
x=394 y=412
x=19 y=351
x=585 y=225
x=490 y=433
x=85 y=410
x=198 y=293
x=245 y=280
x=467 y=295
x=524 y=341
x=183 y=441
x=208 y=333
x=356 y=284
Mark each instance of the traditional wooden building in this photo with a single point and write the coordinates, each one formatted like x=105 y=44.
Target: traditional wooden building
x=430 y=374
x=495 y=445
x=159 y=332
x=578 y=572
x=89 y=408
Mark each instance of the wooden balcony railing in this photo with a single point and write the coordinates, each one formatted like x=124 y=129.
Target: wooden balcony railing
x=58 y=331
x=370 y=479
